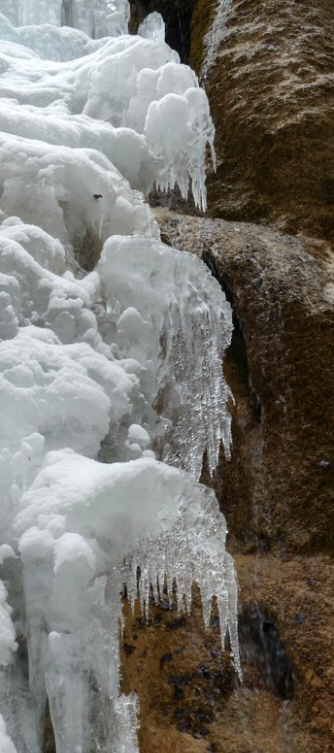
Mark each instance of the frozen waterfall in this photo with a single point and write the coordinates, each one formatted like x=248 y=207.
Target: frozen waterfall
x=111 y=386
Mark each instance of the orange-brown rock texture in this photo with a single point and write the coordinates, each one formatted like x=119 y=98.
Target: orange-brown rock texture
x=271 y=91
x=277 y=495
x=279 y=486
x=277 y=492
x=190 y=701
x=269 y=241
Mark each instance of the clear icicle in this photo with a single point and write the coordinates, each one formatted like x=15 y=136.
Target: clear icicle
x=118 y=518
x=191 y=558
x=184 y=328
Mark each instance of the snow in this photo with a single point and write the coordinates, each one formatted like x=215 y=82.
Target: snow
x=6 y=745
x=63 y=94
x=111 y=385
x=137 y=434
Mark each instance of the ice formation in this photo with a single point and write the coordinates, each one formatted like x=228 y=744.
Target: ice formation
x=155 y=119
x=153 y=27
x=110 y=366
x=214 y=37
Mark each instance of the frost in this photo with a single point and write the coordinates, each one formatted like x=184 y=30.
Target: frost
x=111 y=386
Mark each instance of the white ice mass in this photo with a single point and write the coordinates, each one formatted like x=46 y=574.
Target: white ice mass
x=111 y=385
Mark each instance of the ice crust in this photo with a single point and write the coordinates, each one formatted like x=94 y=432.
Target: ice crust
x=111 y=386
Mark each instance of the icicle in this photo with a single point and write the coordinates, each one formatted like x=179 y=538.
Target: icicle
x=190 y=558
x=185 y=327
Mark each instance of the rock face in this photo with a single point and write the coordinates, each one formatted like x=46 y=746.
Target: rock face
x=268 y=71
x=277 y=496
x=279 y=485
x=271 y=91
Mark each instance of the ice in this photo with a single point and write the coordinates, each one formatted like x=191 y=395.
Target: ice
x=126 y=149
x=183 y=147
x=214 y=37
x=150 y=88
x=7 y=648
x=153 y=27
x=177 y=331
x=7 y=632
x=56 y=188
x=116 y=518
x=111 y=384
x=97 y=18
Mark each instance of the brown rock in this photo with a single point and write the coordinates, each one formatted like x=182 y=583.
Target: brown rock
x=271 y=91
x=277 y=496
x=278 y=488
x=253 y=717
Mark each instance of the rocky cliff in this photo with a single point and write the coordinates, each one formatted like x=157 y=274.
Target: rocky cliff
x=271 y=91
x=268 y=69
x=277 y=490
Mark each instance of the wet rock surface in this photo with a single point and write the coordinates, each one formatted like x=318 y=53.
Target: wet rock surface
x=261 y=649
x=190 y=699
